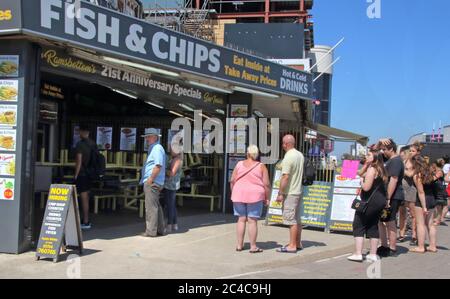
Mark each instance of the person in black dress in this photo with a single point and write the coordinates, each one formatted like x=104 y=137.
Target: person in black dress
x=425 y=203
x=373 y=191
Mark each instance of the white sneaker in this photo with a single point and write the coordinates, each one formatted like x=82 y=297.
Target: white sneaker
x=169 y=228
x=447 y=215
x=175 y=226
x=355 y=258
x=372 y=258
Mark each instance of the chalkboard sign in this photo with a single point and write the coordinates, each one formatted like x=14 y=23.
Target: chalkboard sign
x=316 y=204
x=61 y=224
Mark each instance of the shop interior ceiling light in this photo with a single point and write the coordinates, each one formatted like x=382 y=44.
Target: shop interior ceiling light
x=258 y=113
x=153 y=104
x=176 y=113
x=125 y=93
x=141 y=66
x=206 y=86
x=186 y=107
x=295 y=106
x=256 y=92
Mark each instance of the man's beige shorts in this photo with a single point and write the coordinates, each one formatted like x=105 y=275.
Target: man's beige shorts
x=291 y=210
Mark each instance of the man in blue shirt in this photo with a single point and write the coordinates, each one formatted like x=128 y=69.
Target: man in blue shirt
x=153 y=176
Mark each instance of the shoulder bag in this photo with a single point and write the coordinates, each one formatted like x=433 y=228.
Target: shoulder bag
x=361 y=206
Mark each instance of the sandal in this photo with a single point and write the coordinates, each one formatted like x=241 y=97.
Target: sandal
x=256 y=250
x=401 y=239
x=239 y=249
x=432 y=251
x=285 y=250
x=416 y=250
x=298 y=248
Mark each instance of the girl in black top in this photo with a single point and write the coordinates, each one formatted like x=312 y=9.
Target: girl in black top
x=373 y=191
x=441 y=193
x=425 y=184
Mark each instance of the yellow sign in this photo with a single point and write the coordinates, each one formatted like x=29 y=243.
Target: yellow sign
x=5 y=15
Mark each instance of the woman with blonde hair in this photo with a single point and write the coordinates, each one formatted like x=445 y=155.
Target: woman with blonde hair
x=250 y=190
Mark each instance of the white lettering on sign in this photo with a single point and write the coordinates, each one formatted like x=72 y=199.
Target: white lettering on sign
x=88 y=24
x=83 y=23
x=183 y=52
x=170 y=89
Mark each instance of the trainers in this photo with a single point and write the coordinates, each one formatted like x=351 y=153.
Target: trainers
x=372 y=258
x=355 y=258
x=447 y=215
x=169 y=228
x=85 y=226
x=175 y=227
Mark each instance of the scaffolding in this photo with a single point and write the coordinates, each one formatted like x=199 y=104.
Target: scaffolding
x=184 y=18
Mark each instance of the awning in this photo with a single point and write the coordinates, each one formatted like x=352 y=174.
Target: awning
x=337 y=134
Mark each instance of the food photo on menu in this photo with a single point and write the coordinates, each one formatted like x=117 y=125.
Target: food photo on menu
x=8 y=140
x=8 y=90
x=8 y=115
x=8 y=66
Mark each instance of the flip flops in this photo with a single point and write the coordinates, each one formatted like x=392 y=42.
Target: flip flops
x=285 y=250
x=256 y=250
x=432 y=251
x=416 y=250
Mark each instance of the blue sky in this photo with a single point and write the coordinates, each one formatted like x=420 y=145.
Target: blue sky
x=392 y=79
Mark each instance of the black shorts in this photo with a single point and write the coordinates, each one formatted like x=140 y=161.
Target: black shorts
x=395 y=206
x=83 y=184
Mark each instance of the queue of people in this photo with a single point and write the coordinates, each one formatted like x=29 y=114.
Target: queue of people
x=406 y=184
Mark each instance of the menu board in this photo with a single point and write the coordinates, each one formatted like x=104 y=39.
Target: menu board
x=8 y=115
x=104 y=138
x=239 y=110
x=201 y=141
x=128 y=139
x=61 y=220
x=342 y=214
x=7 y=164
x=7 y=188
x=275 y=210
x=237 y=142
x=9 y=65
x=316 y=204
x=171 y=134
x=232 y=162
x=7 y=140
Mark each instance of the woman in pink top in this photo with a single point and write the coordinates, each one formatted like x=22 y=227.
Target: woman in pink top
x=250 y=189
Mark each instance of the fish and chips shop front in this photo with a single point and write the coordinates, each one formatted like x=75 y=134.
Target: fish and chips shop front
x=66 y=63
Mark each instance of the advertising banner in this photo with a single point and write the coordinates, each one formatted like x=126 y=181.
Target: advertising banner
x=109 y=32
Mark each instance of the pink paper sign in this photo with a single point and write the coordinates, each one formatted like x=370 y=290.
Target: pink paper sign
x=350 y=169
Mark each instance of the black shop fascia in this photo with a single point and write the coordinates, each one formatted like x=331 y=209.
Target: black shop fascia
x=139 y=84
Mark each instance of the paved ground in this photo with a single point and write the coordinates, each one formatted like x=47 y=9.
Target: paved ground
x=204 y=248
